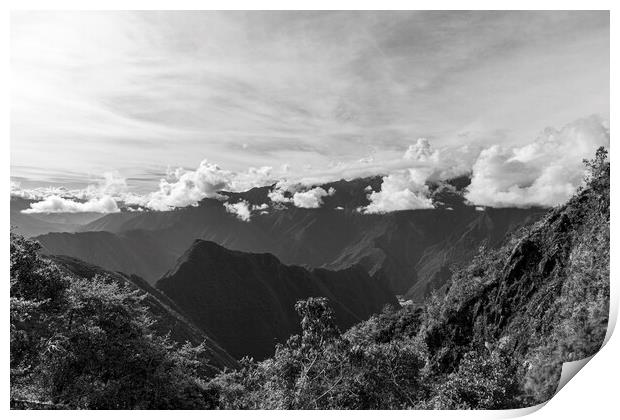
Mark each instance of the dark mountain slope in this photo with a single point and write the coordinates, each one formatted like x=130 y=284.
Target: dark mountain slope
x=406 y=250
x=410 y=251
x=247 y=300
x=138 y=252
x=544 y=296
x=488 y=227
x=168 y=315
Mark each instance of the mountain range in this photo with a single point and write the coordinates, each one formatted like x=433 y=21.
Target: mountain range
x=411 y=252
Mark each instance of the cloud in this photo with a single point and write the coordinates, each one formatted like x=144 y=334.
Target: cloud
x=128 y=83
x=185 y=188
x=421 y=151
x=190 y=187
x=17 y=191
x=444 y=163
x=57 y=204
x=299 y=194
x=283 y=191
x=403 y=190
x=180 y=188
x=545 y=172
x=311 y=199
x=240 y=209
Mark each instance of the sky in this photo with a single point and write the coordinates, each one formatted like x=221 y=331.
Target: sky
x=133 y=96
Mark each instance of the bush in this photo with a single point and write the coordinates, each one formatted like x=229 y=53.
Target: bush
x=321 y=369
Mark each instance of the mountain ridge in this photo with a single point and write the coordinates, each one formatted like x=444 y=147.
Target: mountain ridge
x=246 y=299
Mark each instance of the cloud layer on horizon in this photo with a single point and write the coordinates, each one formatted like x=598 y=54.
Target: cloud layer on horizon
x=57 y=204
x=545 y=172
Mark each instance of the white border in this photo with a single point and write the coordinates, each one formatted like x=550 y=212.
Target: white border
x=592 y=394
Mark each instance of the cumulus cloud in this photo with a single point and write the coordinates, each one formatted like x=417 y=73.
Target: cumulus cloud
x=57 y=204
x=300 y=195
x=189 y=187
x=17 y=191
x=441 y=164
x=421 y=151
x=101 y=197
x=240 y=209
x=311 y=199
x=403 y=190
x=545 y=172
x=282 y=192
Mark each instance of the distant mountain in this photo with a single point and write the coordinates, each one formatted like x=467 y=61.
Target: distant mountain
x=409 y=251
x=246 y=301
x=168 y=315
x=33 y=224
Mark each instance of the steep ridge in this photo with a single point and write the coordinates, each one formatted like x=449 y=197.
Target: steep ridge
x=170 y=319
x=409 y=251
x=544 y=296
x=246 y=301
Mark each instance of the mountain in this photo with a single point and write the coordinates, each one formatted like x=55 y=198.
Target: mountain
x=543 y=296
x=246 y=301
x=409 y=251
x=33 y=224
x=170 y=318
x=496 y=338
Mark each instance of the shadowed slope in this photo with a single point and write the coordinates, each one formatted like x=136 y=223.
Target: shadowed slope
x=246 y=300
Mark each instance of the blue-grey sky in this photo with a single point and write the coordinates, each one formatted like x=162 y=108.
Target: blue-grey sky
x=137 y=93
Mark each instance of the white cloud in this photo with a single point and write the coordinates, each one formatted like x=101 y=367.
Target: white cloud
x=442 y=163
x=190 y=187
x=57 y=204
x=545 y=172
x=421 y=151
x=253 y=177
x=240 y=209
x=311 y=199
x=279 y=193
x=263 y=206
x=186 y=188
x=403 y=190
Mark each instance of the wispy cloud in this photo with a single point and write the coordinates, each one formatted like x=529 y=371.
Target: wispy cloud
x=137 y=92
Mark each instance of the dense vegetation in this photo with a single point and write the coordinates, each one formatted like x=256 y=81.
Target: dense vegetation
x=90 y=344
x=495 y=339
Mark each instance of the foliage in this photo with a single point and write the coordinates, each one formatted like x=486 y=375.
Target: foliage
x=321 y=369
x=485 y=379
x=90 y=344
